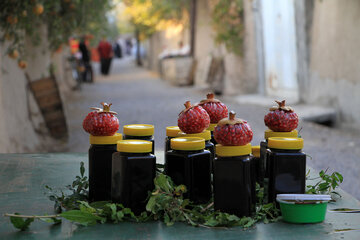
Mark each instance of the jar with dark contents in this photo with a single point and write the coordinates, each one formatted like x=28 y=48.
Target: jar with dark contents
x=257 y=168
x=171 y=132
x=140 y=132
x=287 y=166
x=189 y=164
x=211 y=129
x=133 y=173
x=264 y=146
x=206 y=135
x=233 y=188
x=255 y=171
x=100 y=160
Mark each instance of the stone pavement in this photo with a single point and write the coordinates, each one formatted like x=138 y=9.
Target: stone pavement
x=139 y=96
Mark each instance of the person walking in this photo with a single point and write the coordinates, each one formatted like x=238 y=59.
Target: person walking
x=106 y=53
x=87 y=75
x=117 y=49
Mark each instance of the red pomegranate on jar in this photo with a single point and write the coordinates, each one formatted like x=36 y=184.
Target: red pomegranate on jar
x=214 y=107
x=281 y=118
x=233 y=131
x=193 y=119
x=101 y=122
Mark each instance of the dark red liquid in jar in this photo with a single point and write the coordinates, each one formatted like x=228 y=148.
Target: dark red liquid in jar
x=192 y=169
x=287 y=172
x=233 y=188
x=132 y=179
x=100 y=160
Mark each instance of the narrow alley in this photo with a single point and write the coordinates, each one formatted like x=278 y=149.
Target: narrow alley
x=140 y=96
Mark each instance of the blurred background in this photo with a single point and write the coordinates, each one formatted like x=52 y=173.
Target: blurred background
x=147 y=57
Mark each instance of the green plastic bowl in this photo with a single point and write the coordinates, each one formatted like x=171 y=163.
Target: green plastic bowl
x=303 y=208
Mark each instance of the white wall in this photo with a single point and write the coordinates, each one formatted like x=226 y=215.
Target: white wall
x=17 y=133
x=240 y=71
x=334 y=64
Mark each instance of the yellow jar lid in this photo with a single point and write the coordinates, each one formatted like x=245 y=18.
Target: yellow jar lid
x=269 y=133
x=231 y=151
x=255 y=151
x=139 y=130
x=286 y=143
x=206 y=134
x=187 y=143
x=134 y=146
x=172 y=131
x=212 y=127
x=105 y=140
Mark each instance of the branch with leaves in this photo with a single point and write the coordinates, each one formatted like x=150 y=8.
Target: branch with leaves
x=228 y=23
x=165 y=203
x=326 y=184
x=21 y=20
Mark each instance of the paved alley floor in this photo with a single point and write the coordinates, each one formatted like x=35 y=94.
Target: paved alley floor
x=139 y=96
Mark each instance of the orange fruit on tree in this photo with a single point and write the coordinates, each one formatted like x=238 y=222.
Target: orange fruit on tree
x=12 y=19
x=22 y=64
x=38 y=9
x=13 y=54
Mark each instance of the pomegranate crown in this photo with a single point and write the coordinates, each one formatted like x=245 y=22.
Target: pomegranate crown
x=105 y=109
x=232 y=120
x=188 y=106
x=209 y=98
x=281 y=106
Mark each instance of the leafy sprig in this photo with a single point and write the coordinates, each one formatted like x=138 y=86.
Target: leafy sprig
x=165 y=203
x=327 y=183
x=69 y=197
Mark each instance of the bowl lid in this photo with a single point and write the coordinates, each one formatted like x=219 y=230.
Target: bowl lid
x=303 y=197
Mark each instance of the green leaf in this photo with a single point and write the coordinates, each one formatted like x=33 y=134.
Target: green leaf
x=185 y=203
x=162 y=181
x=167 y=220
x=211 y=222
x=54 y=221
x=151 y=204
x=120 y=215
x=233 y=218
x=82 y=169
x=20 y=223
x=80 y=217
x=85 y=207
x=99 y=204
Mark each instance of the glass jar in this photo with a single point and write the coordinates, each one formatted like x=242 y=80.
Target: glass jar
x=255 y=171
x=206 y=135
x=100 y=158
x=133 y=173
x=232 y=181
x=287 y=166
x=264 y=146
x=189 y=164
x=171 y=132
x=140 y=132
x=211 y=129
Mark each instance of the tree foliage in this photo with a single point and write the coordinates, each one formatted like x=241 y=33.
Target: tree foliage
x=152 y=15
x=62 y=18
x=228 y=22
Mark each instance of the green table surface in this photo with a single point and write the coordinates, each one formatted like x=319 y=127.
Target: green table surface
x=22 y=181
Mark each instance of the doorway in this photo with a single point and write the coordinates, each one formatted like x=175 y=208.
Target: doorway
x=279 y=48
